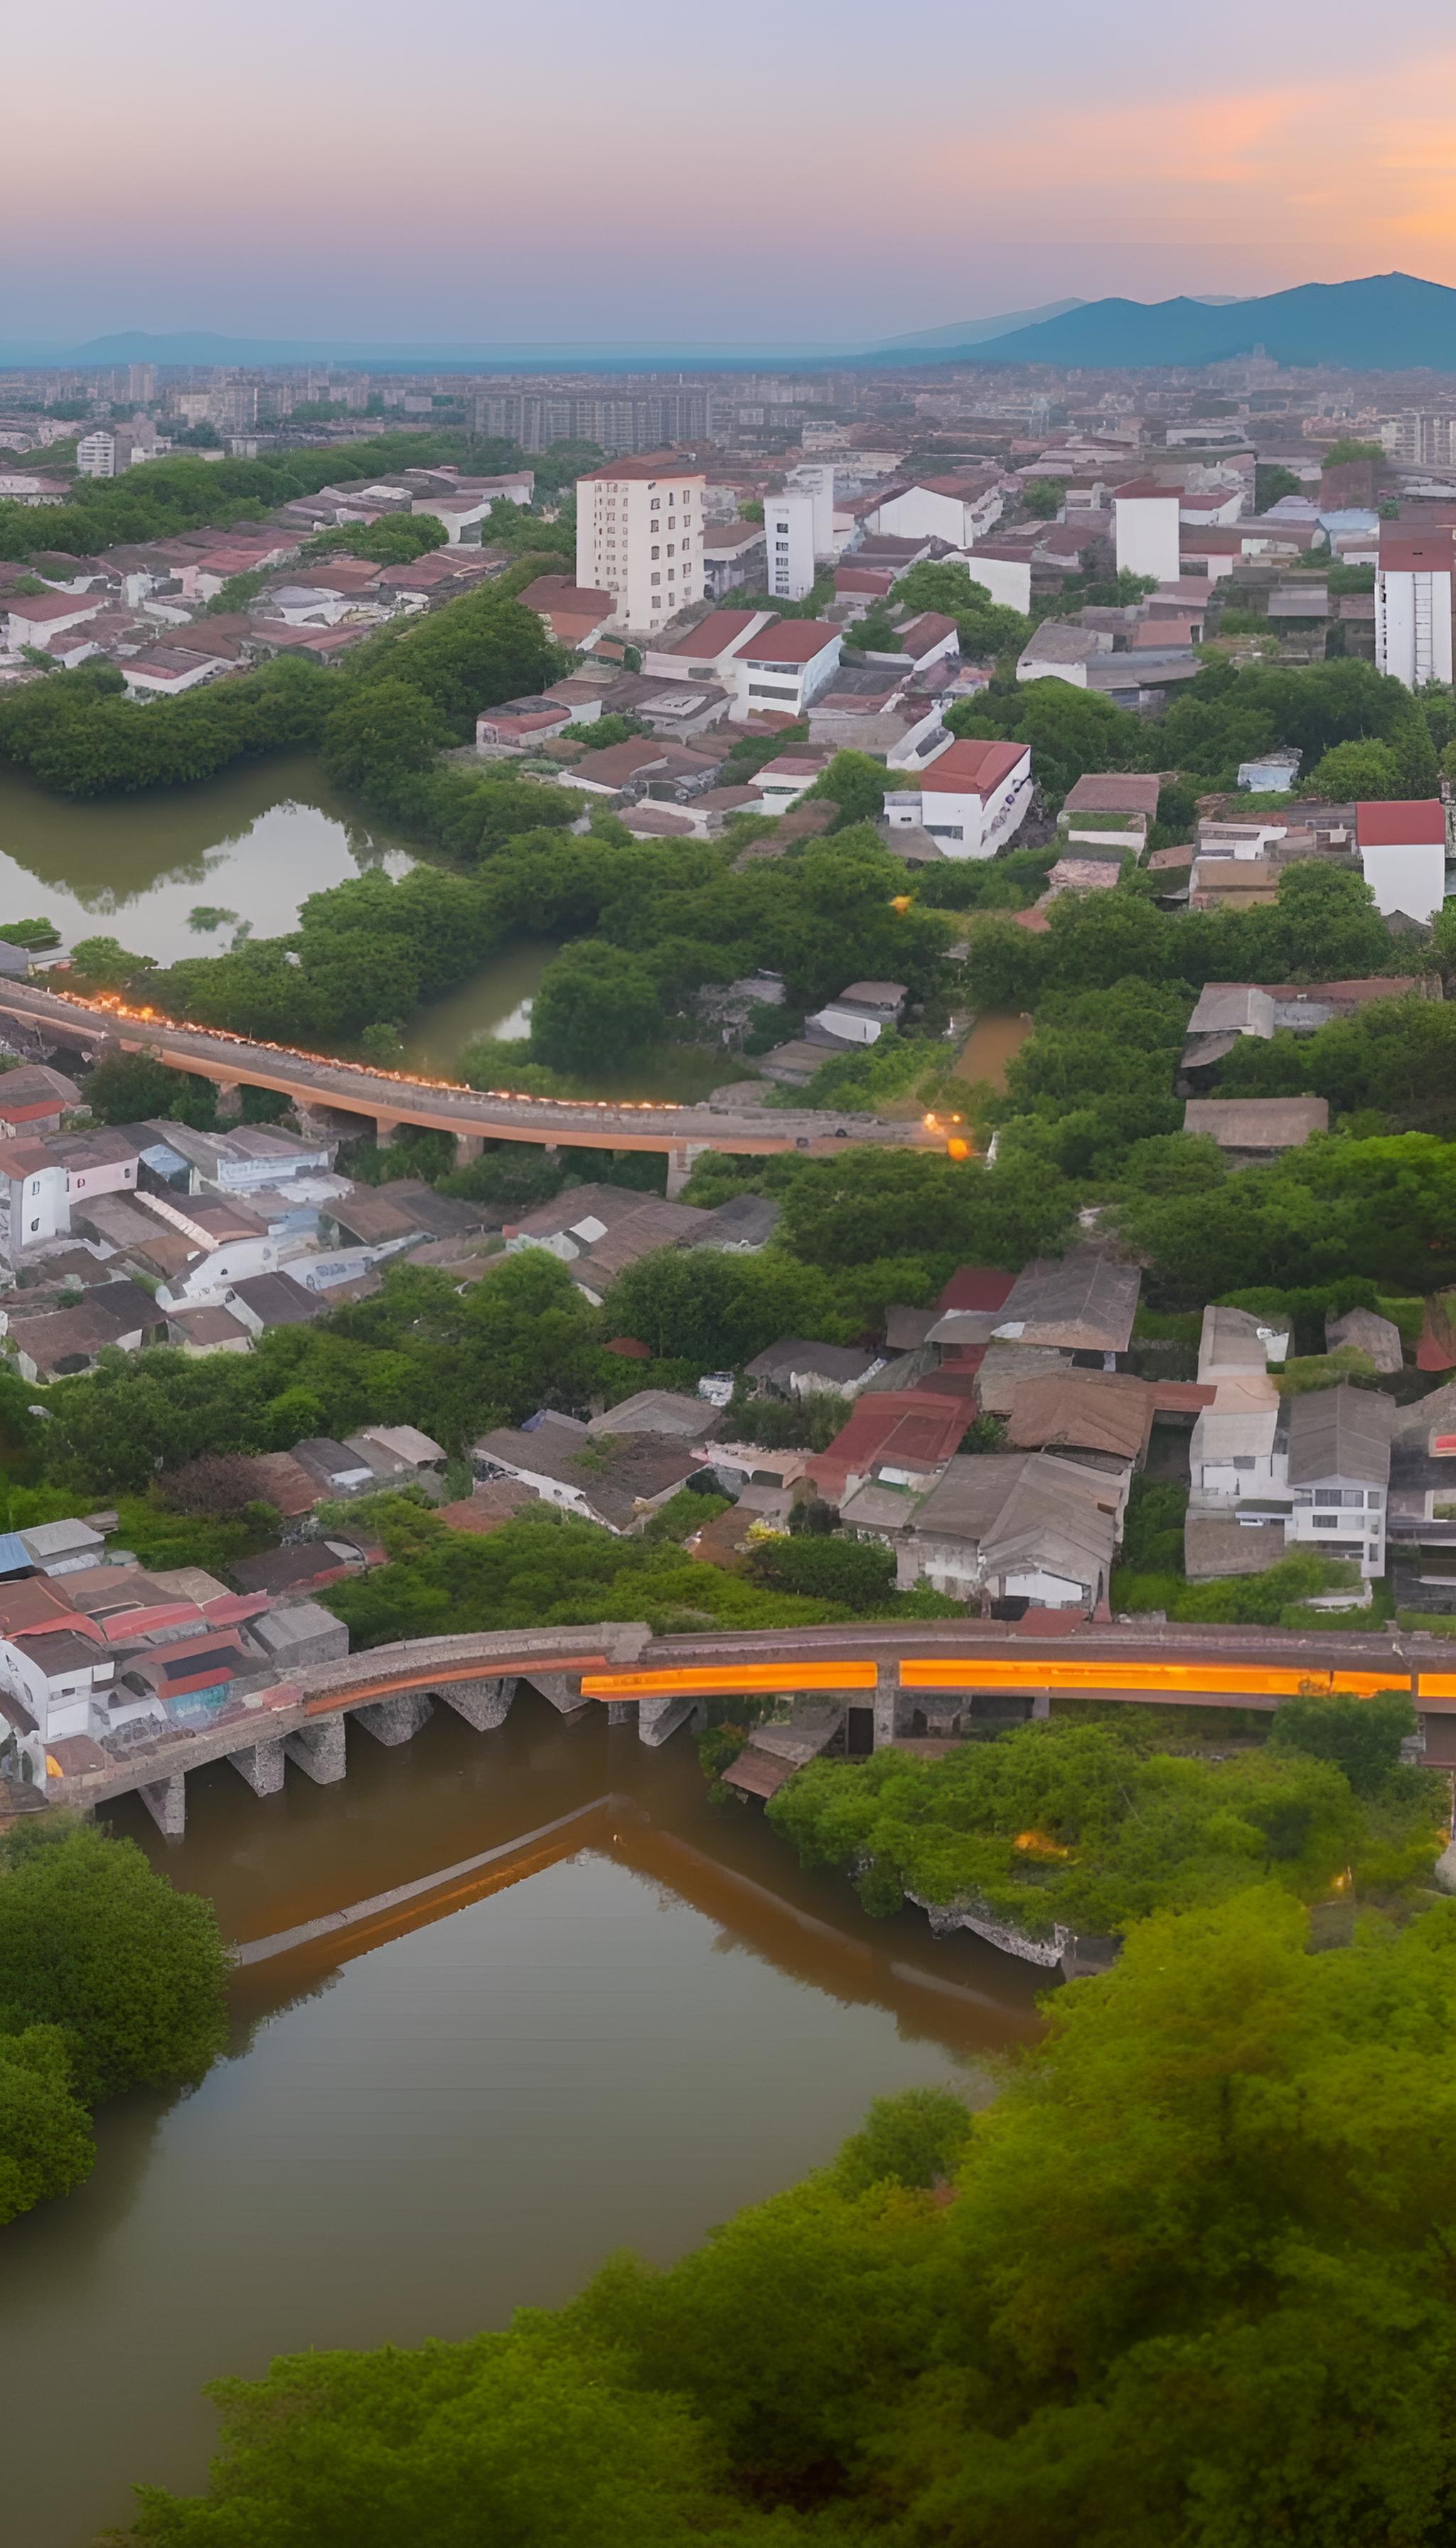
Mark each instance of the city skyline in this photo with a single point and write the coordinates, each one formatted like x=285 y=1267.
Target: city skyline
x=459 y=182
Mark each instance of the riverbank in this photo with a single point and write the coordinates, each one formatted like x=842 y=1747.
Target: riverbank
x=422 y=2126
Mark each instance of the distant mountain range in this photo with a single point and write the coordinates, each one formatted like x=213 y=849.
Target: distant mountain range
x=1382 y=323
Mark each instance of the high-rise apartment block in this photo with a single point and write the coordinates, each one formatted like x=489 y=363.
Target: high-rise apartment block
x=142 y=384
x=1423 y=438
x=639 y=537
x=1413 y=604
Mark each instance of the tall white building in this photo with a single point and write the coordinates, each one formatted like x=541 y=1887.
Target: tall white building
x=1413 y=604
x=1148 y=530
x=142 y=382
x=639 y=537
x=788 y=542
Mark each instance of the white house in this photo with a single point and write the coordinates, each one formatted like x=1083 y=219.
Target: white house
x=33 y=617
x=1402 y=852
x=96 y=455
x=783 y=665
x=32 y=1196
x=971 y=798
x=706 y=652
x=1413 y=604
x=1147 y=532
x=959 y=509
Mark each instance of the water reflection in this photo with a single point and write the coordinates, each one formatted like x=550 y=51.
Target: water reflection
x=260 y=839
x=467 y=2104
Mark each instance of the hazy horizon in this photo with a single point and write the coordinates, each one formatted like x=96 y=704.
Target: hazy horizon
x=341 y=175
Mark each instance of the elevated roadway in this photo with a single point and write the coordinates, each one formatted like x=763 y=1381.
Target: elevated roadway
x=389 y=1099
x=894 y=1671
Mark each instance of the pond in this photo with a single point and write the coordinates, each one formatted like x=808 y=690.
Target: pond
x=614 y=2035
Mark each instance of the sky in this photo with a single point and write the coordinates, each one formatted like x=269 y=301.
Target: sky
x=830 y=172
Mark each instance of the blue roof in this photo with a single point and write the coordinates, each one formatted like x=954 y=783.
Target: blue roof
x=15 y=1557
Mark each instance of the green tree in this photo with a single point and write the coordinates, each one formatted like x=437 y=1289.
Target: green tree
x=91 y=1942
x=1357 y=769
x=596 y=1007
x=46 y=2145
x=104 y=965
x=1043 y=498
x=131 y=1087
x=858 y=1574
x=381 y=730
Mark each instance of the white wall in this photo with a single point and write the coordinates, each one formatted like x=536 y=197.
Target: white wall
x=1008 y=580
x=1411 y=879
x=789 y=539
x=1148 y=536
x=1412 y=653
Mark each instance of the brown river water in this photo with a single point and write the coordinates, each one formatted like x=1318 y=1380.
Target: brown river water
x=610 y=2034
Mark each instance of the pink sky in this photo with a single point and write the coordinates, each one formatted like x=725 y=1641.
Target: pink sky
x=823 y=174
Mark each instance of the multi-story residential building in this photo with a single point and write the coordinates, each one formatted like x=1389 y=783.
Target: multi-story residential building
x=142 y=382
x=788 y=541
x=1148 y=530
x=1423 y=438
x=639 y=537
x=1413 y=604
x=96 y=455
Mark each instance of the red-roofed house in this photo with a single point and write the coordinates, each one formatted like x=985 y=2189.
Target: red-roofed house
x=573 y=613
x=783 y=665
x=971 y=798
x=705 y=653
x=902 y=1437
x=1402 y=851
x=33 y=617
x=1413 y=604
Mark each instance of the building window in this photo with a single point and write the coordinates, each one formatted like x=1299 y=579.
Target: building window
x=35 y=1224
x=1324 y=1521
x=657 y=579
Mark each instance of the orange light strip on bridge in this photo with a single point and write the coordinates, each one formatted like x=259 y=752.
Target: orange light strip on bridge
x=966 y=1672
x=726 y=1681
x=1436 y=1684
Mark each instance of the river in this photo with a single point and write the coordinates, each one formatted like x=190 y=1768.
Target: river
x=251 y=846
x=616 y=2035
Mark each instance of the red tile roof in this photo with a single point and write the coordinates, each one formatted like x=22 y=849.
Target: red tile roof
x=1399 y=822
x=1143 y=486
x=788 y=640
x=976 y=1287
x=712 y=636
x=971 y=768
x=652 y=465
x=1421 y=552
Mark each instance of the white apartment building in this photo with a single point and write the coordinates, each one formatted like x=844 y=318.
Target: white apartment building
x=96 y=455
x=1148 y=530
x=639 y=537
x=1413 y=605
x=788 y=540
x=1423 y=436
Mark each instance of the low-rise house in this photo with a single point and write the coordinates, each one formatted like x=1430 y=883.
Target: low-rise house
x=742 y=1226
x=898 y=1438
x=959 y=507
x=400 y=1453
x=785 y=665
x=58 y=1344
x=577 y=1218
x=616 y=1482
x=1013 y=1529
x=60 y=1548
x=658 y=1411
x=1057 y=652
x=33 y=1100
x=971 y=798
x=801 y=1367
x=208 y=1328
x=1369 y=1334
x=732 y=554
x=517 y=724
x=339 y=1467
x=859 y=1015
x=654 y=1223
x=1224 y=1012
x=780 y=782
x=1235 y=1345
x=260 y=1301
x=1083 y=1303
x=1255 y=1128
x=1333 y=1447
x=572 y=615
x=1125 y=804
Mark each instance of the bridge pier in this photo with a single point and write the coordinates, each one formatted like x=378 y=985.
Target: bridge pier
x=887 y=1701
x=620 y=1711
x=484 y=1704
x=657 y=1718
x=166 y=1802
x=468 y=1147
x=683 y=1158
x=563 y=1691
x=230 y=1100
x=319 y=1752
x=386 y=1131
x=395 y=1720
x=261 y=1766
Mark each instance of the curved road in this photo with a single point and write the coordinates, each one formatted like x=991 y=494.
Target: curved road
x=394 y=1098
